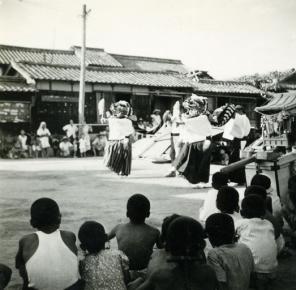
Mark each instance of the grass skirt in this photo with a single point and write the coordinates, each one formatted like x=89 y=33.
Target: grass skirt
x=193 y=162
x=119 y=157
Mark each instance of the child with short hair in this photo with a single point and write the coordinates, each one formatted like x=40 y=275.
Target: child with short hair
x=232 y=262
x=47 y=259
x=135 y=238
x=258 y=234
x=219 y=179
x=228 y=202
x=66 y=147
x=184 y=267
x=101 y=268
x=5 y=276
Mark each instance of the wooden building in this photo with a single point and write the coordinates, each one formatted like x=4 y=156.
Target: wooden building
x=49 y=81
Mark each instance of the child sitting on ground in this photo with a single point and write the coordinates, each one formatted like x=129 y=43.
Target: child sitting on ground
x=159 y=256
x=265 y=182
x=135 y=238
x=219 y=179
x=5 y=275
x=184 y=267
x=47 y=259
x=101 y=268
x=66 y=147
x=258 y=234
x=260 y=191
x=232 y=262
x=228 y=202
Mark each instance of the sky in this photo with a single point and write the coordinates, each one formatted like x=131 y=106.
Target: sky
x=227 y=38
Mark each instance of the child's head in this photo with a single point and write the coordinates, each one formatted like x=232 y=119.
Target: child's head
x=92 y=237
x=23 y=132
x=261 y=180
x=165 y=225
x=219 y=179
x=227 y=200
x=253 y=206
x=256 y=189
x=220 y=229
x=45 y=213
x=185 y=237
x=138 y=208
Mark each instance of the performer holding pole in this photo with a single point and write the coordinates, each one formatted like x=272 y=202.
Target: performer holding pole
x=193 y=160
x=119 y=149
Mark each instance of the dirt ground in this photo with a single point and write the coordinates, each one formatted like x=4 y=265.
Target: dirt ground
x=86 y=190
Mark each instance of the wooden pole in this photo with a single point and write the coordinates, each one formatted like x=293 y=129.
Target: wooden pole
x=82 y=69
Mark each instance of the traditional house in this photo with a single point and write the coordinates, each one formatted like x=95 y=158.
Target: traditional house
x=43 y=84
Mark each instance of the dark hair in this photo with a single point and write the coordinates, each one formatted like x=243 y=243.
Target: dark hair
x=185 y=237
x=165 y=225
x=261 y=191
x=138 y=208
x=256 y=189
x=219 y=179
x=92 y=237
x=261 y=180
x=45 y=212
x=227 y=200
x=220 y=229
x=253 y=206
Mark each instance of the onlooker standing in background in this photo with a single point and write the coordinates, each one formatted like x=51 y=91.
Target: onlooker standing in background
x=71 y=130
x=43 y=133
x=86 y=129
x=23 y=141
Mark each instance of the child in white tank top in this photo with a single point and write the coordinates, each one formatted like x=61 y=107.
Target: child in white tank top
x=47 y=259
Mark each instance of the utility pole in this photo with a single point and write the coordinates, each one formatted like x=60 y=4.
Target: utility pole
x=82 y=68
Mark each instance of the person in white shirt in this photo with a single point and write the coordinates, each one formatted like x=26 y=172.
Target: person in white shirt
x=258 y=234
x=236 y=131
x=71 y=130
x=43 y=133
x=119 y=150
x=193 y=161
x=66 y=147
x=23 y=138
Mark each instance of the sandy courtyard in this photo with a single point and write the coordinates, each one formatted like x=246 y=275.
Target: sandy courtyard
x=86 y=190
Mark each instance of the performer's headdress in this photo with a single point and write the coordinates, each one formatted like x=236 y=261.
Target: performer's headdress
x=224 y=114
x=195 y=105
x=121 y=109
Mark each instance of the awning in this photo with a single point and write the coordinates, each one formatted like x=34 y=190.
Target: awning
x=286 y=101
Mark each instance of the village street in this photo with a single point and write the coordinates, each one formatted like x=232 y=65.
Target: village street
x=86 y=190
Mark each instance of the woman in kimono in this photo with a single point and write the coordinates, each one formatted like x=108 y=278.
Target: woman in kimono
x=119 y=148
x=43 y=133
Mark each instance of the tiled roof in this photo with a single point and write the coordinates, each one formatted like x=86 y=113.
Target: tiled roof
x=225 y=87
x=150 y=63
x=96 y=57
x=12 y=84
x=111 y=76
x=285 y=101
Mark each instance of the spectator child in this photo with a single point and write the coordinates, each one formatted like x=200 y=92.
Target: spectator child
x=258 y=234
x=66 y=147
x=219 y=179
x=159 y=256
x=228 y=202
x=5 y=275
x=101 y=268
x=259 y=190
x=23 y=139
x=185 y=267
x=232 y=262
x=135 y=238
x=47 y=259
x=83 y=145
x=36 y=147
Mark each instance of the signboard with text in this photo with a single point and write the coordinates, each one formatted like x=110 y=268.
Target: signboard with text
x=15 y=112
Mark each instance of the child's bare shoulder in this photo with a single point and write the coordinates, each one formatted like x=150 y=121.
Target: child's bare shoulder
x=69 y=239
x=28 y=240
x=68 y=235
x=153 y=230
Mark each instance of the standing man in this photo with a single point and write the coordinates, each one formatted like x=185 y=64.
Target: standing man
x=237 y=131
x=71 y=129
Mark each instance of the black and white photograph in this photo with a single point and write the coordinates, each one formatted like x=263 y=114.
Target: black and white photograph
x=147 y=145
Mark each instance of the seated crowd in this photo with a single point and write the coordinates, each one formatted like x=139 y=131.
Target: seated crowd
x=234 y=246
